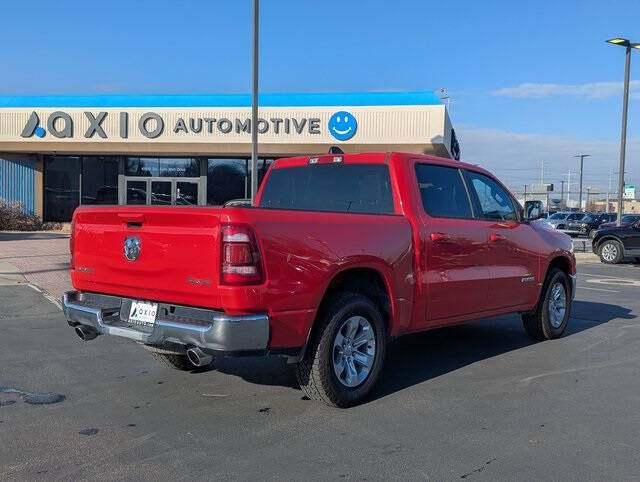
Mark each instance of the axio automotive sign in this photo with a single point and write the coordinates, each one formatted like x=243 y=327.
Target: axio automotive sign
x=342 y=125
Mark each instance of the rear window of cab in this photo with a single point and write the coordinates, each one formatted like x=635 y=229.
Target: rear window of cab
x=335 y=187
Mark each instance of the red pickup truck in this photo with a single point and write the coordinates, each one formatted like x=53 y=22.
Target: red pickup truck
x=338 y=255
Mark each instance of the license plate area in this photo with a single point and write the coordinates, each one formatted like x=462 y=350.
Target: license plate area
x=143 y=313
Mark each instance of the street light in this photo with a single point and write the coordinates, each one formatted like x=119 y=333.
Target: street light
x=254 y=107
x=581 y=156
x=623 y=42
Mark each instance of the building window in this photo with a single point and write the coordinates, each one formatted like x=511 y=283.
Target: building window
x=229 y=179
x=61 y=187
x=226 y=180
x=99 y=180
x=161 y=167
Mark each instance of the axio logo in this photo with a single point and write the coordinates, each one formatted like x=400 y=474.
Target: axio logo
x=342 y=125
x=33 y=127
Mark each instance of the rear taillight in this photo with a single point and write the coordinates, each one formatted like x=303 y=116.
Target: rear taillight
x=71 y=243
x=241 y=263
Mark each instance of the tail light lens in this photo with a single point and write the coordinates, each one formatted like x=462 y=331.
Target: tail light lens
x=241 y=263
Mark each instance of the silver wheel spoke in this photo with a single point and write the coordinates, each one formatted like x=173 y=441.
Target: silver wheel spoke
x=352 y=373
x=352 y=327
x=339 y=366
x=365 y=336
x=363 y=359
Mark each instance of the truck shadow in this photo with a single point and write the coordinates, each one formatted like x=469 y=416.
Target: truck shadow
x=414 y=359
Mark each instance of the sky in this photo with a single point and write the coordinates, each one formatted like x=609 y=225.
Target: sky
x=529 y=81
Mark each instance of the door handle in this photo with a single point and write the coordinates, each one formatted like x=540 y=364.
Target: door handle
x=495 y=237
x=131 y=217
x=440 y=237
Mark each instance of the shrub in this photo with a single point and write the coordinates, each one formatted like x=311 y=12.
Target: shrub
x=13 y=217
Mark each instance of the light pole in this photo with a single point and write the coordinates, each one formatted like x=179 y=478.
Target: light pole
x=581 y=156
x=623 y=42
x=444 y=95
x=254 y=106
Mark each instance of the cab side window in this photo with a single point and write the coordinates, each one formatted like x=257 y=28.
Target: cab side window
x=494 y=201
x=443 y=192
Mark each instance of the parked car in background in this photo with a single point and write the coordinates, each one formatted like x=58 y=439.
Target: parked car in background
x=626 y=219
x=562 y=219
x=614 y=243
x=589 y=224
x=338 y=255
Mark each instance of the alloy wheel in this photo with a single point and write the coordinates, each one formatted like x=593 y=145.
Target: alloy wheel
x=609 y=252
x=557 y=306
x=354 y=351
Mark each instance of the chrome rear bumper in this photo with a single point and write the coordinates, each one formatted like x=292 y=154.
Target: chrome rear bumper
x=175 y=324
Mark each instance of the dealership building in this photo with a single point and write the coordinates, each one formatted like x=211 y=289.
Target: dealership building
x=57 y=153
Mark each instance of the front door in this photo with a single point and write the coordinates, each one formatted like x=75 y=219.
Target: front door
x=512 y=254
x=161 y=191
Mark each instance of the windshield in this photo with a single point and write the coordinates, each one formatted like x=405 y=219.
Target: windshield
x=558 y=216
x=587 y=219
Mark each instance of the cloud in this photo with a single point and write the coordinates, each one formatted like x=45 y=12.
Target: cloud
x=594 y=90
x=516 y=157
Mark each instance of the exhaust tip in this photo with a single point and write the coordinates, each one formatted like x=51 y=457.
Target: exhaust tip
x=85 y=334
x=199 y=358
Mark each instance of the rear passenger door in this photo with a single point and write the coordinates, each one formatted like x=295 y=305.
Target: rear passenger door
x=453 y=266
x=512 y=246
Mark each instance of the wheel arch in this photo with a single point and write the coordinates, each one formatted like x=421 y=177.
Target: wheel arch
x=609 y=237
x=365 y=280
x=559 y=261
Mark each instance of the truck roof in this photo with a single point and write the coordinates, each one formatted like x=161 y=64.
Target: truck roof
x=369 y=158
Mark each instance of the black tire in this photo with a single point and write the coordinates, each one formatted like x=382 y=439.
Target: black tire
x=538 y=325
x=591 y=234
x=315 y=373
x=611 y=244
x=174 y=360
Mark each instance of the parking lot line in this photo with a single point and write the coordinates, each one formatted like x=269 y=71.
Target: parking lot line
x=605 y=276
x=597 y=289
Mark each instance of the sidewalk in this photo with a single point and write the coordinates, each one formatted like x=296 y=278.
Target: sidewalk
x=39 y=258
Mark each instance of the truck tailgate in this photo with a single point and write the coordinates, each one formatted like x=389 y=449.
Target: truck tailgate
x=178 y=257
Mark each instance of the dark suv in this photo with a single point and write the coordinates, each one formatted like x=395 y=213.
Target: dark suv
x=613 y=243
x=589 y=224
x=626 y=219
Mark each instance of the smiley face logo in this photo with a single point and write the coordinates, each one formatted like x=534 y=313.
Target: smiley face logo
x=343 y=125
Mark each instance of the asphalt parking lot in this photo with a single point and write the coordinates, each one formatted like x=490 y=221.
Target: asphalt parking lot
x=479 y=402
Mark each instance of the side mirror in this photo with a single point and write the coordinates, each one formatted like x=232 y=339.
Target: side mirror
x=533 y=210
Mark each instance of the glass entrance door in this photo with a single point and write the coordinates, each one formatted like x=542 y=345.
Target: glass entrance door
x=162 y=191
x=186 y=193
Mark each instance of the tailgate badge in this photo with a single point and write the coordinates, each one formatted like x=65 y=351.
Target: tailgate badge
x=132 y=248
